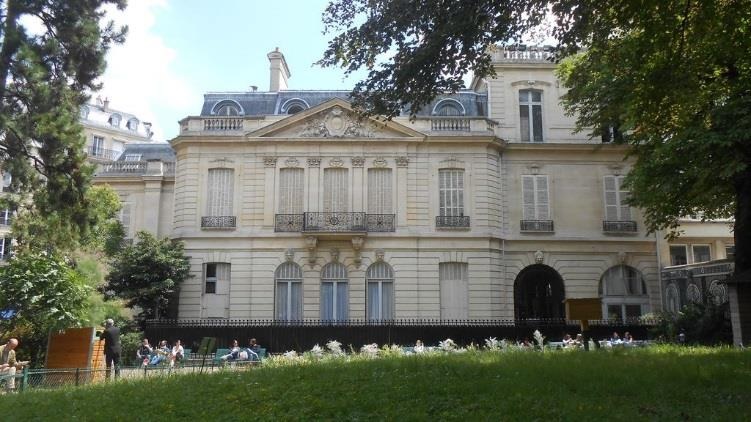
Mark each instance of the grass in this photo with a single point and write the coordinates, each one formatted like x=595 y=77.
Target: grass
x=661 y=383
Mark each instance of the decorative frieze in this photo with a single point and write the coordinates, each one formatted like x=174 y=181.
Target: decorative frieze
x=269 y=161
x=291 y=162
x=358 y=161
x=336 y=162
x=314 y=162
x=402 y=161
x=380 y=162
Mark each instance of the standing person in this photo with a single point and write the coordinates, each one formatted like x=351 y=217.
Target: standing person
x=8 y=363
x=111 y=337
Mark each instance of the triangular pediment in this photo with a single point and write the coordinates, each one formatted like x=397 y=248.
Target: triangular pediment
x=334 y=119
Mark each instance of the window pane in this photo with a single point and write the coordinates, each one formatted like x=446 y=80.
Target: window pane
x=678 y=255
x=633 y=311
x=374 y=300
x=387 y=301
x=327 y=301
x=701 y=253
x=342 y=301
x=537 y=122
x=523 y=96
x=614 y=312
x=524 y=122
x=536 y=96
x=282 y=313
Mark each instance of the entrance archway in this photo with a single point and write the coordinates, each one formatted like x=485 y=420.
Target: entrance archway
x=538 y=293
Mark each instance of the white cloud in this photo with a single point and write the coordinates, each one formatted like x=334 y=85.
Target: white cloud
x=141 y=77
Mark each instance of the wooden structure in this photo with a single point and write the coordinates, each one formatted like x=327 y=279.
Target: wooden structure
x=584 y=310
x=76 y=348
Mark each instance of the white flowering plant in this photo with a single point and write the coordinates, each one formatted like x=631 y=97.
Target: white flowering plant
x=335 y=348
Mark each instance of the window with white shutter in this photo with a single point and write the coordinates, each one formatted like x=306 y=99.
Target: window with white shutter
x=454 y=285
x=616 y=208
x=535 y=203
x=291 y=191
x=451 y=192
x=125 y=218
x=220 y=191
x=335 y=190
x=379 y=191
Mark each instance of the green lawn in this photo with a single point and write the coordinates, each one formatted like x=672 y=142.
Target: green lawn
x=659 y=383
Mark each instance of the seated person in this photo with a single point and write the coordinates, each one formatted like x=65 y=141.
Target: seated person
x=628 y=338
x=8 y=363
x=567 y=340
x=251 y=352
x=161 y=353
x=144 y=351
x=579 y=342
x=615 y=339
x=234 y=352
x=419 y=347
x=177 y=353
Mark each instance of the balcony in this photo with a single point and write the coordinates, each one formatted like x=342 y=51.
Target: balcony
x=219 y=222
x=334 y=222
x=611 y=226
x=102 y=154
x=452 y=222
x=536 y=226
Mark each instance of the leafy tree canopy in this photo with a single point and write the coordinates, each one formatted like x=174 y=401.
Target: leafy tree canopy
x=673 y=76
x=51 y=52
x=147 y=274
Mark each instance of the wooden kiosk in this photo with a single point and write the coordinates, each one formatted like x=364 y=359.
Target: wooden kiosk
x=80 y=352
x=584 y=310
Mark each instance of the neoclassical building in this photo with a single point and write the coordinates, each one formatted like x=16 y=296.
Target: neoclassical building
x=484 y=206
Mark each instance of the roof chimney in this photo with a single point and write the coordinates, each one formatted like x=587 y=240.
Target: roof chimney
x=105 y=104
x=279 y=72
x=253 y=88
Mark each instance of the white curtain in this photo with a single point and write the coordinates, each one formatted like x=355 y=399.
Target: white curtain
x=380 y=294
x=379 y=191
x=288 y=278
x=291 y=191
x=335 y=190
x=334 y=292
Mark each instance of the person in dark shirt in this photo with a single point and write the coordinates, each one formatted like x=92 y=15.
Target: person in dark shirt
x=144 y=352
x=111 y=337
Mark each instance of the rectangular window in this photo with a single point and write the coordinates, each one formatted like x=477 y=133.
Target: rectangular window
x=125 y=218
x=132 y=157
x=379 y=191
x=451 y=192
x=535 y=203
x=530 y=115
x=454 y=285
x=334 y=300
x=210 y=278
x=616 y=208
x=701 y=253
x=220 y=192
x=288 y=300
x=97 y=146
x=291 y=191
x=678 y=255
x=117 y=149
x=380 y=300
x=6 y=247
x=335 y=190
x=217 y=278
x=5 y=217
x=730 y=251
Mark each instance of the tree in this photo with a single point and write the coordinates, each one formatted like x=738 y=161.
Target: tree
x=51 y=53
x=674 y=76
x=147 y=274
x=40 y=293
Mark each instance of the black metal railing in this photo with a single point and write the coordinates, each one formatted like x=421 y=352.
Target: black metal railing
x=334 y=222
x=537 y=226
x=219 y=222
x=611 y=226
x=381 y=223
x=452 y=221
x=284 y=223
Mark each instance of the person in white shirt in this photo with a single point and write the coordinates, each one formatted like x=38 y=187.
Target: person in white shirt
x=177 y=353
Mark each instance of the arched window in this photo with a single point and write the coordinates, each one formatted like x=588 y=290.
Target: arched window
x=133 y=124
x=288 y=280
x=380 y=282
x=623 y=292
x=115 y=120
x=448 y=107
x=294 y=106
x=334 y=292
x=227 y=108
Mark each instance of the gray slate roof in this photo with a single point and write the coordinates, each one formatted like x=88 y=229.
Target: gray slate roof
x=271 y=103
x=162 y=152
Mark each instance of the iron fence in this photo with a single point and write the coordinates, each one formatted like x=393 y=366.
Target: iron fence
x=281 y=336
x=452 y=221
x=219 y=222
x=610 y=226
x=537 y=226
x=334 y=222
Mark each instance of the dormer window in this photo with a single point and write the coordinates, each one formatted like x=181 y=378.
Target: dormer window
x=133 y=124
x=294 y=106
x=448 y=107
x=84 y=112
x=227 y=108
x=115 y=120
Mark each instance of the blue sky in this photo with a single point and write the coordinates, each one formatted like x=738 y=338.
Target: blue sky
x=179 y=49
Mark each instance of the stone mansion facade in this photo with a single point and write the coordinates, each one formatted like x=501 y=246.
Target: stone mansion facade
x=484 y=206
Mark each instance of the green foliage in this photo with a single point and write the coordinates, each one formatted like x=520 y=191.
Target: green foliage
x=623 y=385
x=701 y=323
x=44 y=76
x=45 y=293
x=147 y=274
x=130 y=342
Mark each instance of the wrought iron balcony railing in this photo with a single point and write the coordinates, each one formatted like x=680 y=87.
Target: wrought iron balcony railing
x=288 y=223
x=334 y=222
x=381 y=222
x=452 y=221
x=611 y=226
x=545 y=226
x=219 y=222
x=102 y=154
